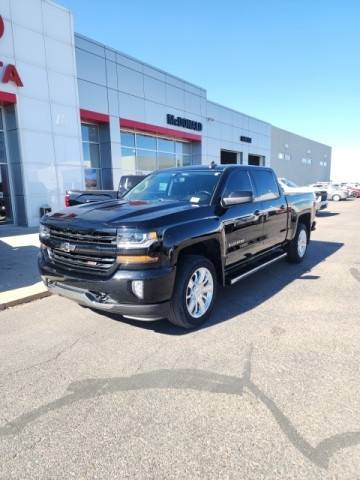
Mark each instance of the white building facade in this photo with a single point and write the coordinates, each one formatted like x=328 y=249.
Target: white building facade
x=77 y=114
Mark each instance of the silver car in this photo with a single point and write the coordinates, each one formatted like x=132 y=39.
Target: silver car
x=335 y=192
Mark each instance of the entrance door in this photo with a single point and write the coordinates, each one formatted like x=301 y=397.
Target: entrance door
x=257 y=160
x=227 y=157
x=5 y=196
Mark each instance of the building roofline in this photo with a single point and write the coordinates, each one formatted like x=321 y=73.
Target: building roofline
x=238 y=111
x=301 y=136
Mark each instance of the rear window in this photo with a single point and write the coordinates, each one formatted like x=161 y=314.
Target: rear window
x=265 y=185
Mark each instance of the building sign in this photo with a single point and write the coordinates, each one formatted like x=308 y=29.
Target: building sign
x=183 y=122
x=10 y=72
x=245 y=139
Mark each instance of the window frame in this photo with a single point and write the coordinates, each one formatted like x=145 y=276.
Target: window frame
x=239 y=171
x=176 y=155
x=98 y=169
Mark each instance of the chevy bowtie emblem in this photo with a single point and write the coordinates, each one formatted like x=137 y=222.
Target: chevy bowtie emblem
x=67 y=247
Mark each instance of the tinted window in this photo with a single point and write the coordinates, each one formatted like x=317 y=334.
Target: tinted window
x=265 y=184
x=239 y=181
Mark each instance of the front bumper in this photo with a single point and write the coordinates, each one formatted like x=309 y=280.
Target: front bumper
x=114 y=295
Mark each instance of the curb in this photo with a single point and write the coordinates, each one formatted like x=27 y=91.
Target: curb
x=23 y=299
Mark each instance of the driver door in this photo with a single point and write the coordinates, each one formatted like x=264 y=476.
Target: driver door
x=243 y=223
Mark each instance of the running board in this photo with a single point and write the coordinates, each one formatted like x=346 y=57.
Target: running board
x=256 y=269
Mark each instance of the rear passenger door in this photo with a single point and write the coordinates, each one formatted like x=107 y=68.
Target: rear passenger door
x=273 y=206
x=242 y=223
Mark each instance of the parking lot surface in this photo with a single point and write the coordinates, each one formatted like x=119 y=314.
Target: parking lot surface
x=268 y=389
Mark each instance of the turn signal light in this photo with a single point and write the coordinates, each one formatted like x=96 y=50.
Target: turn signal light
x=136 y=259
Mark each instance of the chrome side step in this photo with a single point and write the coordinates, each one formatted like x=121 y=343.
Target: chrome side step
x=256 y=269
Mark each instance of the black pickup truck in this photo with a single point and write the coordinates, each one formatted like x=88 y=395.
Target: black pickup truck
x=162 y=250
x=77 y=197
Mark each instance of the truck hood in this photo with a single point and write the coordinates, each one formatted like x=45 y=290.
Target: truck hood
x=117 y=213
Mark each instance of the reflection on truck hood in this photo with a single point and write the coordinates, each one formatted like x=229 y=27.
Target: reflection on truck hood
x=120 y=213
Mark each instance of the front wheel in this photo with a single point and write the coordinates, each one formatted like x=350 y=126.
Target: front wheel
x=298 y=245
x=336 y=198
x=194 y=292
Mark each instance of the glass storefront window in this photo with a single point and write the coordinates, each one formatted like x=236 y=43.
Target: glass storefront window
x=128 y=156
x=89 y=132
x=145 y=160
x=127 y=139
x=91 y=153
x=146 y=141
x=183 y=148
x=166 y=160
x=186 y=160
x=166 y=145
x=5 y=194
x=145 y=153
x=2 y=146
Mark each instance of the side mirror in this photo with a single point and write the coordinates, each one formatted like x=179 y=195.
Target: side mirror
x=236 y=198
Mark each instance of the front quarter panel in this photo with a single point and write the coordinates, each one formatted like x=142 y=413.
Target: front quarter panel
x=178 y=237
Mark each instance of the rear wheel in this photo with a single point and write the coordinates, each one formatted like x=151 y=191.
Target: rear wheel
x=194 y=292
x=336 y=198
x=298 y=245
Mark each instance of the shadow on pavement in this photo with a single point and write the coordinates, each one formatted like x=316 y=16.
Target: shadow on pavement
x=323 y=214
x=196 y=380
x=18 y=266
x=253 y=291
x=11 y=231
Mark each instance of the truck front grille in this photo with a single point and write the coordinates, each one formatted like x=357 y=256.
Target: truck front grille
x=107 y=238
x=90 y=252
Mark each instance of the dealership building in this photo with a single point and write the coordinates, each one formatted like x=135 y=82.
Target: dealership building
x=76 y=114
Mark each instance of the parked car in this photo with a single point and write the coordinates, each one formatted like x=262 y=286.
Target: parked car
x=161 y=250
x=335 y=193
x=76 y=197
x=352 y=188
x=320 y=194
x=354 y=192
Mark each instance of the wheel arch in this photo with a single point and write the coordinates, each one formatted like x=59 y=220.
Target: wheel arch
x=209 y=249
x=305 y=219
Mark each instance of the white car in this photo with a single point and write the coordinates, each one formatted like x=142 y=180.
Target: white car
x=320 y=195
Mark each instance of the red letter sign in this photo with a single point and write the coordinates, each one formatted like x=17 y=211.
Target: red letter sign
x=11 y=75
x=2 y=26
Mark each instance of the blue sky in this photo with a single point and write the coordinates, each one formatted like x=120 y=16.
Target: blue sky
x=294 y=63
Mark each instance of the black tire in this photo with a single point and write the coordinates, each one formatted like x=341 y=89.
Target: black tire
x=179 y=314
x=293 y=251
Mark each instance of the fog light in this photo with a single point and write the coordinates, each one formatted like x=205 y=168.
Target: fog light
x=138 y=288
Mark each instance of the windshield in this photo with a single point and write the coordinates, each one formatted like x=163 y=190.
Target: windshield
x=288 y=182
x=195 y=186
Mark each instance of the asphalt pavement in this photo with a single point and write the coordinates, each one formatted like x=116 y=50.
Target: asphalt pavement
x=268 y=389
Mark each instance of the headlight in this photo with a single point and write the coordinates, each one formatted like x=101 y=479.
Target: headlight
x=132 y=239
x=44 y=232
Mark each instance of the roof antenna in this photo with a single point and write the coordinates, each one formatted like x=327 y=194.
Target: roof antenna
x=212 y=164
